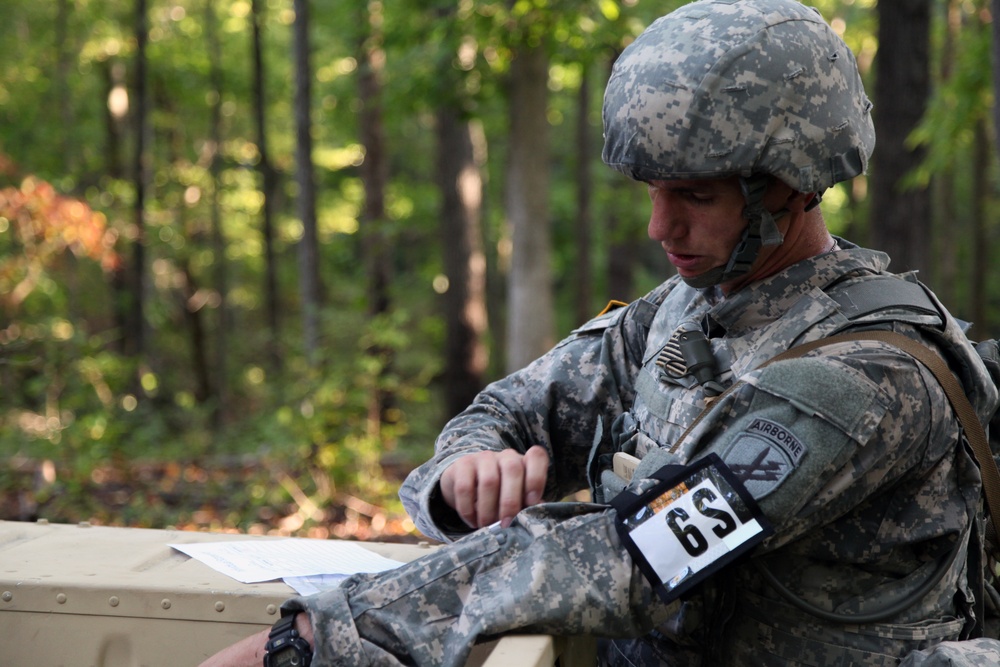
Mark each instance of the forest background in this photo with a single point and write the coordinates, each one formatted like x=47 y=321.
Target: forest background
x=254 y=253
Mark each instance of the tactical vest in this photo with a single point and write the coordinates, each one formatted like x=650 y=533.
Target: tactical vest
x=871 y=302
x=688 y=356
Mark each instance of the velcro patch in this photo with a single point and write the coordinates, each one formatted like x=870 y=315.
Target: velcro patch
x=696 y=520
x=763 y=455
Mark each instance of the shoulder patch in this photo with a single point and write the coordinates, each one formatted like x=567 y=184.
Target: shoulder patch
x=605 y=319
x=763 y=455
x=614 y=304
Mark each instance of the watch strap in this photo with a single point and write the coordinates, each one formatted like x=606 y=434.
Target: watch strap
x=283 y=624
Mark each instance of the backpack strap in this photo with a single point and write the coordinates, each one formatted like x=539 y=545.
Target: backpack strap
x=966 y=414
x=974 y=432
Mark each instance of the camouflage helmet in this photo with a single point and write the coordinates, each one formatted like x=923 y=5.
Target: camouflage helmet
x=739 y=87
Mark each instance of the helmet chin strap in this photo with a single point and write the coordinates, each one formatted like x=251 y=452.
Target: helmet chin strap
x=760 y=231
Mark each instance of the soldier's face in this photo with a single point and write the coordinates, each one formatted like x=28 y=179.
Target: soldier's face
x=697 y=222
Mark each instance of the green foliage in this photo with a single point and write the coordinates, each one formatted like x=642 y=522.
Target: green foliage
x=214 y=432
x=959 y=102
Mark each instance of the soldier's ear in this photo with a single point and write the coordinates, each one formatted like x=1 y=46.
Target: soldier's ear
x=798 y=202
x=781 y=196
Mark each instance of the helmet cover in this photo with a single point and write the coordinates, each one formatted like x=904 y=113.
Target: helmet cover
x=739 y=87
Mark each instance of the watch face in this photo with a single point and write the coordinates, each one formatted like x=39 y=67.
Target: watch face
x=287 y=657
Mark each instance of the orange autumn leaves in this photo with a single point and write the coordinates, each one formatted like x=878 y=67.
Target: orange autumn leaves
x=37 y=226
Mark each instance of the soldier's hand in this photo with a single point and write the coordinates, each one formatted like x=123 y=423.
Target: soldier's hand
x=487 y=487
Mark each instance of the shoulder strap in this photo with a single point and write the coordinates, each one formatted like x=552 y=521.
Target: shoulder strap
x=974 y=432
x=966 y=414
x=877 y=293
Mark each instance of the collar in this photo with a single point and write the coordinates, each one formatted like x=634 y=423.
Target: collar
x=764 y=301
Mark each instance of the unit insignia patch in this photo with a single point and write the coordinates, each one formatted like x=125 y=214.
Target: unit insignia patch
x=763 y=455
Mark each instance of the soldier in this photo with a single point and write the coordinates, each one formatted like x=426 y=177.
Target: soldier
x=817 y=510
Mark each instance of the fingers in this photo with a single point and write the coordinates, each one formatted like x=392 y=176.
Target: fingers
x=511 y=491
x=536 y=472
x=488 y=486
x=458 y=488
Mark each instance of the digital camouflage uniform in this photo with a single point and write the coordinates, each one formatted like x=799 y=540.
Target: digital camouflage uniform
x=882 y=491
x=852 y=452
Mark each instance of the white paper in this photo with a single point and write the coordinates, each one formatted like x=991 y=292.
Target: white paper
x=252 y=561
x=315 y=583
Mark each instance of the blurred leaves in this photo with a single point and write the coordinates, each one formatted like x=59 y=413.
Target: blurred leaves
x=36 y=227
x=89 y=433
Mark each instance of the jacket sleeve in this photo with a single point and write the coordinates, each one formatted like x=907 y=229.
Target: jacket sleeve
x=558 y=569
x=555 y=402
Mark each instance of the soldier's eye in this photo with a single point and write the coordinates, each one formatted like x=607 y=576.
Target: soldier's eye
x=699 y=197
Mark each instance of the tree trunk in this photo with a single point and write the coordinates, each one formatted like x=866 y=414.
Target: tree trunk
x=530 y=321
x=623 y=250
x=135 y=334
x=309 y=244
x=374 y=169
x=582 y=225
x=995 y=6
x=220 y=278
x=978 y=309
x=63 y=72
x=194 y=321
x=269 y=187
x=945 y=262
x=114 y=117
x=375 y=174
x=900 y=220
x=461 y=184
x=190 y=295
x=623 y=246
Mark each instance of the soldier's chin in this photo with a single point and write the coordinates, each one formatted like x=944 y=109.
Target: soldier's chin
x=709 y=278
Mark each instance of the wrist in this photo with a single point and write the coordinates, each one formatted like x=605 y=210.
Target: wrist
x=305 y=630
x=289 y=642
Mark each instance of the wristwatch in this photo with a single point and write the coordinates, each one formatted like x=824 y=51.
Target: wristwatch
x=285 y=646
